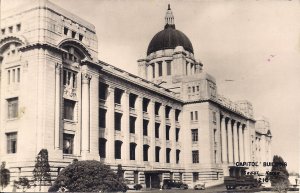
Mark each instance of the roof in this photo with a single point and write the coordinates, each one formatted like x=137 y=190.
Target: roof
x=169 y=38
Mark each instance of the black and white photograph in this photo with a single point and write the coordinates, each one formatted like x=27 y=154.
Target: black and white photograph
x=150 y=96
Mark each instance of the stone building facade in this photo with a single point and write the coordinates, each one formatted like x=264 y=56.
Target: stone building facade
x=169 y=122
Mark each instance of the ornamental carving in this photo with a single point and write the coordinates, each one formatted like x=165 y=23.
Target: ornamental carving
x=86 y=77
x=69 y=91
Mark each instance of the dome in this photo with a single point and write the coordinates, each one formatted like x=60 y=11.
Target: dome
x=169 y=38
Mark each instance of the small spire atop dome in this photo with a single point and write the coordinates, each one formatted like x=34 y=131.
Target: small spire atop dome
x=169 y=18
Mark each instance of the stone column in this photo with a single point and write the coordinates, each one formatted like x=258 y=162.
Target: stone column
x=125 y=126
x=151 y=131
x=139 y=129
x=235 y=141
x=241 y=143
x=110 y=125
x=224 y=140
x=230 y=145
x=156 y=70
x=164 y=68
x=247 y=143
x=58 y=98
x=149 y=72
x=162 y=133
x=173 y=137
x=86 y=77
x=188 y=68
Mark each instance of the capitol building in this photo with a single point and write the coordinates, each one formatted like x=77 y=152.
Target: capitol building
x=167 y=122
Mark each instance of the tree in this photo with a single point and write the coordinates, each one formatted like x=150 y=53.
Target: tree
x=22 y=183
x=88 y=176
x=279 y=175
x=41 y=172
x=4 y=176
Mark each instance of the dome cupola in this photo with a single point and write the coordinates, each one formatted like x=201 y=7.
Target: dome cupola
x=169 y=38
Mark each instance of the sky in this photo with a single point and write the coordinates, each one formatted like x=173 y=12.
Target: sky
x=254 y=43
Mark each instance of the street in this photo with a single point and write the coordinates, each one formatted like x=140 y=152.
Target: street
x=215 y=189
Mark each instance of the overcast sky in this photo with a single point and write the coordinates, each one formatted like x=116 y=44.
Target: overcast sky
x=233 y=39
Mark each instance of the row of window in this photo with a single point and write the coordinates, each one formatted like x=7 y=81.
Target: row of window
x=118 y=94
x=68 y=148
x=132 y=151
x=193 y=89
x=194 y=115
x=11 y=29
x=160 y=69
x=73 y=34
x=13 y=75
x=132 y=123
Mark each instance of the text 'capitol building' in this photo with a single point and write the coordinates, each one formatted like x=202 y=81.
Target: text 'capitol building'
x=169 y=122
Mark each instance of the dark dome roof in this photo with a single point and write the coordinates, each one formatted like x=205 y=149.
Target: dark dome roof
x=169 y=38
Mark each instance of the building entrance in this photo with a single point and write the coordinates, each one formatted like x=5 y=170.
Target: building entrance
x=153 y=180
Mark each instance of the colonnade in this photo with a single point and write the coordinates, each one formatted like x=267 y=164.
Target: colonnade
x=235 y=140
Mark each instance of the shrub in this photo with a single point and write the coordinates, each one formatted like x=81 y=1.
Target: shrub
x=88 y=176
x=280 y=179
x=4 y=176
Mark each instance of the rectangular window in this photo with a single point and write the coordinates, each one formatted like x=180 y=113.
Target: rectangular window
x=73 y=34
x=103 y=91
x=145 y=152
x=145 y=127
x=132 y=151
x=193 y=89
x=168 y=67
x=3 y=31
x=168 y=132
x=13 y=106
x=68 y=143
x=153 y=70
x=132 y=124
x=145 y=104
x=159 y=68
x=194 y=135
x=102 y=147
x=13 y=75
x=102 y=118
x=214 y=117
x=18 y=74
x=177 y=113
x=80 y=37
x=157 y=125
x=177 y=155
x=118 y=95
x=189 y=89
x=8 y=77
x=118 y=121
x=157 y=107
x=157 y=150
x=192 y=116
x=198 y=88
x=69 y=78
x=118 y=149
x=168 y=152
x=195 y=156
x=10 y=29
x=11 y=143
x=196 y=115
x=18 y=27
x=69 y=108
x=177 y=134
x=66 y=31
